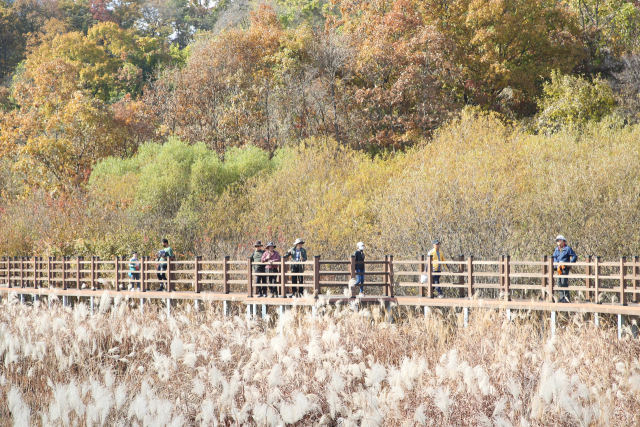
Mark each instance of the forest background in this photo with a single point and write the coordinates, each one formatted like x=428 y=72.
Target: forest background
x=493 y=125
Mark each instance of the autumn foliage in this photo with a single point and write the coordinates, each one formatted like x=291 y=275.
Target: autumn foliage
x=387 y=120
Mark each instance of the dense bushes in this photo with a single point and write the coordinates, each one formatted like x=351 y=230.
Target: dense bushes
x=483 y=186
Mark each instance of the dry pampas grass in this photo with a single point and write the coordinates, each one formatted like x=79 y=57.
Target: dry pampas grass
x=62 y=366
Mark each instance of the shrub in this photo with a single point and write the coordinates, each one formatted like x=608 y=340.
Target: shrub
x=573 y=101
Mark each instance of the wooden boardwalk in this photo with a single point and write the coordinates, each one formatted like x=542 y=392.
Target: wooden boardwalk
x=497 y=284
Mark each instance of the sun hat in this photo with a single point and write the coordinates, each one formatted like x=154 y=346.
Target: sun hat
x=561 y=237
x=435 y=242
x=257 y=244
x=271 y=244
x=360 y=245
x=298 y=241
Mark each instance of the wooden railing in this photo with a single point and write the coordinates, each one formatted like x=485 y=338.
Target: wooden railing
x=504 y=277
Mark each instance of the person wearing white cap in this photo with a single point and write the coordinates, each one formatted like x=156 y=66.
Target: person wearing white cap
x=359 y=254
x=563 y=253
x=299 y=254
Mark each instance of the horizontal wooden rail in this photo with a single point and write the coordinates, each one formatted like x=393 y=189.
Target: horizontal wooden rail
x=617 y=282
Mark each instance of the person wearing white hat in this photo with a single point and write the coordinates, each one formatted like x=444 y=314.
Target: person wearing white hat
x=299 y=254
x=359 y=254
x=563 y=253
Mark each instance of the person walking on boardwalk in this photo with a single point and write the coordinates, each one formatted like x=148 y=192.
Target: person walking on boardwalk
x=169 y=256
x=162 y=267
x=359 y=255
x=298 y=254
x=437 y=263
x=272 y=256
x=134 y=268
x=563 y=253
x=256 y=257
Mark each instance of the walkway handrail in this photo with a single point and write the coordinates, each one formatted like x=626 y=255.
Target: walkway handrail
x=619 y=279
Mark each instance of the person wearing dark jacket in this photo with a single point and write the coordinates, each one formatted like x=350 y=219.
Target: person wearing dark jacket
x=563 y=253
x=256 y=257
x=297 y=254
x=359 y=254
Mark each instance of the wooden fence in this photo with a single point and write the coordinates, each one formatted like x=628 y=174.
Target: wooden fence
x=503 y=278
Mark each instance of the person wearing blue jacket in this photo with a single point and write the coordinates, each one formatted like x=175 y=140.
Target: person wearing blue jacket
x=563 y=253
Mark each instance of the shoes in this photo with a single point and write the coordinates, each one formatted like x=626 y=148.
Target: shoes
x=440 y=295
x=360 y=295
x=565 y=300
x=160 y=289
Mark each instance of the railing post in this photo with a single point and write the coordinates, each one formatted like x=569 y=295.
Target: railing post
x=22 y=272
x=507 y=277
x=422 y=269
x=550 y=278
x=623 y=271
x=596 y=281
x=543 y=281
x=64 y=273
x=169 y=284
x=93 y=272
x=430 y=276
x=97 y=267
x=35 y=272
x=386 y=276
x=635 y=278
x=78 y=278
x=117 y=264
x=225 y=274
x=9 y=284
x=460 y=278
x=501 y=272
x=352 y=272
x=316 y=275
x=196 y=273
x=391 y=278
x=470 y=277
x=283 y=277
x=49 y=273
x=250 y=277
x=143 y=273
x=587 y=281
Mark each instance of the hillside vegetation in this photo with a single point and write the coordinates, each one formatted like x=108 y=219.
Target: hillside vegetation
x=492 y=125
x=484 y=187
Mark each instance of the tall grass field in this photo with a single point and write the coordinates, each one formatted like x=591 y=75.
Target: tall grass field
x=376 y=366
